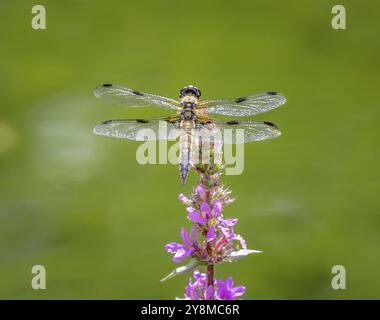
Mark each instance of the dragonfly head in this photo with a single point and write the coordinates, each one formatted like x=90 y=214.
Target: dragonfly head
x=190 y=90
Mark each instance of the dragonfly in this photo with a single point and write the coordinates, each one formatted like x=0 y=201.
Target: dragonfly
x=192 y=115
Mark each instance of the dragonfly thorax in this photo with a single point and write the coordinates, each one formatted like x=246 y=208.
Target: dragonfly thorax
x=188 y=111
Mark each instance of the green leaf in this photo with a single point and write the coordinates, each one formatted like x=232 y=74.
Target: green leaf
x=183 y=269
x=239 y=254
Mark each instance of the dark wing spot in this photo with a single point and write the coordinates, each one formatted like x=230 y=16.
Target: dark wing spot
x=272 y=93
x=107 y=122
x=142 y=121
x=107 y=85
x=232 y=122
x=240 y=99
x=137 y=93
x=270 y=124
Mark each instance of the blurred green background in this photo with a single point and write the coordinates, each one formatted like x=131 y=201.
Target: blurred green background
x=81 y=205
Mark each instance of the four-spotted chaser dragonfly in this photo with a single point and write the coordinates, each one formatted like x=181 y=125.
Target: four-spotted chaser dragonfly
x=192 y=114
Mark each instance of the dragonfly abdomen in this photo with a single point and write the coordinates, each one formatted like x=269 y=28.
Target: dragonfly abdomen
x=186 y=138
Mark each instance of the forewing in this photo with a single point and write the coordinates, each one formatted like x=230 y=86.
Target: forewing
x=244 y=106
x=139 y=129
x=132 y=98
x=232 y=132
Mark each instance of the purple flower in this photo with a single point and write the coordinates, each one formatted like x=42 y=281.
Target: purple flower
x=209 y=293
x=198 y=289
x=226 y=226
x=213 y=212
x=201 y=191
x=217 y=206
x=229 y=222
x=226 y=291
x=242 y=241
x=195 y=216
x=205 y=208
x=181 y=251
x=211 y=235
x=184 y=199
x=217 y=241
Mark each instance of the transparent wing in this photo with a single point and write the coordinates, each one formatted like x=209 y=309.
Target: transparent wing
x=132 y=98
x=232 y=132
x=140 y=129
x=244 y=106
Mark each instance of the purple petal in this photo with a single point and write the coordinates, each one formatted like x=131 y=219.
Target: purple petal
x=193 y=237
x=196 y=274
x=238 y=291
x=179 y=255
x=242 y=241
x=222 y=291
x=191 y=209
x=206 y=208
x=201 y=191
x=225 y=231
x=217 y=206
x=229 y=222
x=183 y=198
x=199 y=277
x=189 y=292
x=197 y=218
x=211 y=235
x=226 y=291
x=182 y=254
x=191 y=233
x=229 y=282
x=173 y=247
x=209 y=293
x=184 y=237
